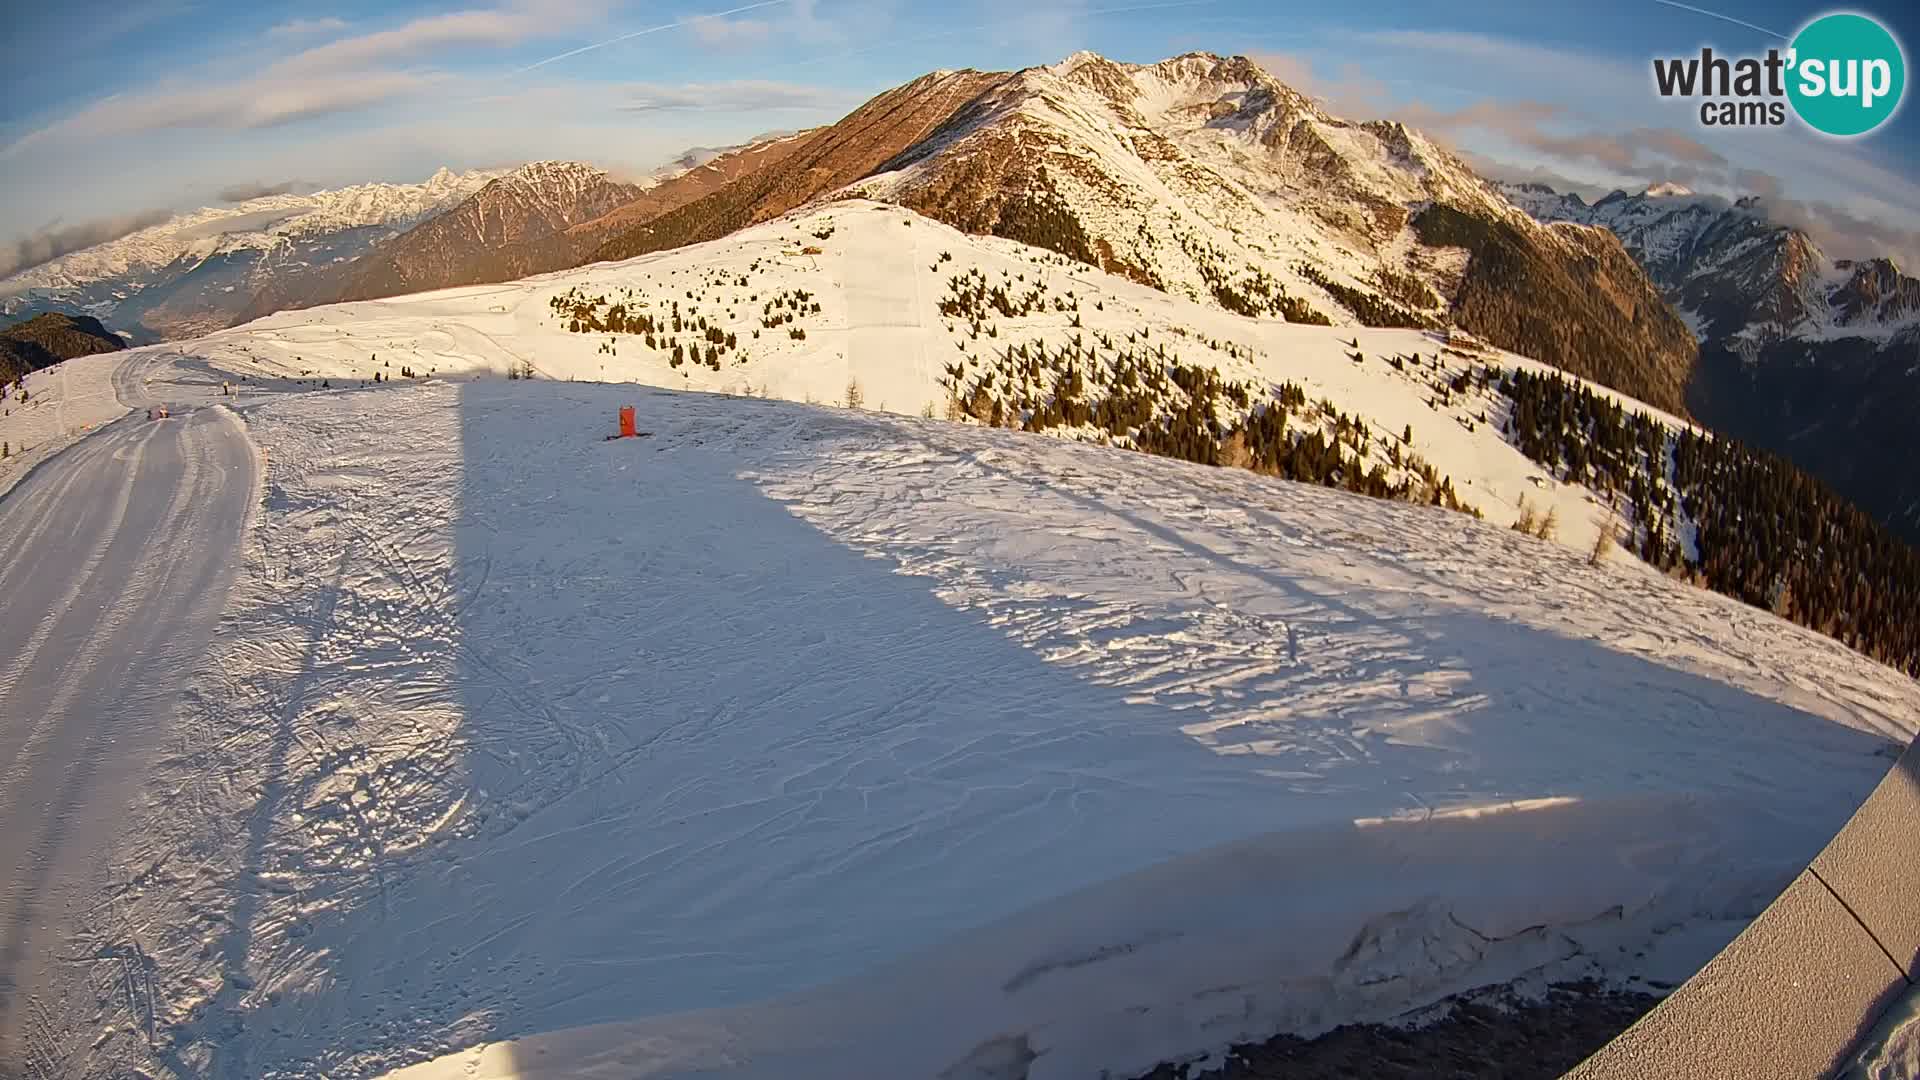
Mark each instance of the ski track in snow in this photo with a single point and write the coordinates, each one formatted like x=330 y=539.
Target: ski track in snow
x=509 y=729
x=120 y=558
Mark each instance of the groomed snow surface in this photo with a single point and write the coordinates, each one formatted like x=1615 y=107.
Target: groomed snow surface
x=806 y=742
x=796 y=741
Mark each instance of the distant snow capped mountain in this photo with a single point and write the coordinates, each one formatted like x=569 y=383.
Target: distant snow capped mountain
x=1207 y=178
x=1814 y=358
x=1736 y=275
x=192 y=272
x=540 y=217
x=513 y=226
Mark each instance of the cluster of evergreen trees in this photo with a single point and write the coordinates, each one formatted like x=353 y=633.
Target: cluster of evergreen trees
x=682 y=334
x=1370 y=309
x=970 y=296
x=583 y=314
x=1763 y=531
x=1253 y=292
x=1037 y=214
x=1144 y=396
x=1406 y=289
x=780 y=308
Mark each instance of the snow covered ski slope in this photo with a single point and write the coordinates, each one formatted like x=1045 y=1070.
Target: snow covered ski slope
x=118 y=551
x=793 y=740
x=510 y=729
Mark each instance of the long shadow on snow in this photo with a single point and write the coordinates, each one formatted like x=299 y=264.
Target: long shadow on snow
x=1521 y=672
x=713 y=754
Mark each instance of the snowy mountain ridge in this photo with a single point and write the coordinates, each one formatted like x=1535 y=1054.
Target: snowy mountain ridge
x=1208 y=178
x=1734 y=273
x=260 y=224
x=513 y=225
x=555 y=181
x=1214 y=154
x=1807 y=356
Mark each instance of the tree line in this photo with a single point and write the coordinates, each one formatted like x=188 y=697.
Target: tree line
x=1735 y=519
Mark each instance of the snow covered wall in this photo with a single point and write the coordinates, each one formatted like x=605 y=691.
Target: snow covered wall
x=1821 y=984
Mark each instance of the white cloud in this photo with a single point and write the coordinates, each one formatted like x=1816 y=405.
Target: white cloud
x=345 y=74
x=1514 y=62
x=1351 y=93
x=55 y=239
x=268 y=100
x=239 y=193
x=743 y=95
x=1845 y=234
x=128 y=18
x=497 y=27
x=298 y=28
x=1527 y=124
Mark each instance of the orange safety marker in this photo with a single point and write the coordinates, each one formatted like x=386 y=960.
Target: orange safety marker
x=627 y=429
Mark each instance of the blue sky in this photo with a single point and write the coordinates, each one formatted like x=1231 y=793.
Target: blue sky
x=112 y=112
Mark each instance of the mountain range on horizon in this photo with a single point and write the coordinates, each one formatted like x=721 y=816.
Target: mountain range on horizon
x=1202 y=176
x=216 y=266
x=1814 y=358
x=193 y=272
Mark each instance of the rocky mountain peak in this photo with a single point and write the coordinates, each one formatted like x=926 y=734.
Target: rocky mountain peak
x=1876 y=291
x=1208 y=178
x=1099 y=74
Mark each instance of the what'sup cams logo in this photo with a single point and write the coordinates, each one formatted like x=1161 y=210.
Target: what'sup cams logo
x=1842 y=74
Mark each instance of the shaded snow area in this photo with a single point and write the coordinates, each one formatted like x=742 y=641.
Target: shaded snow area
x=793 y=741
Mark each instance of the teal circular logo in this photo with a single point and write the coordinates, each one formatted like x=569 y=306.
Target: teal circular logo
x=1848 y=74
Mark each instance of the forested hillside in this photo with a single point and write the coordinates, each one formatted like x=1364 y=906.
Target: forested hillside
x=1738 y=520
